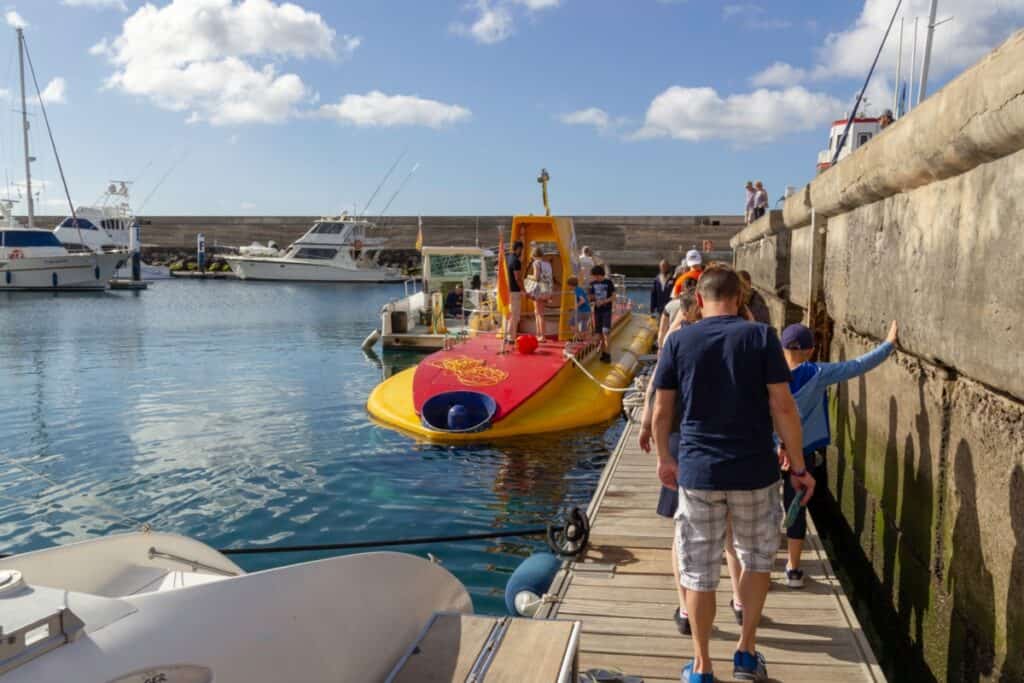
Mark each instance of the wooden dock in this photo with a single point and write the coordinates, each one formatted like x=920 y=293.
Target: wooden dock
x=623 y=592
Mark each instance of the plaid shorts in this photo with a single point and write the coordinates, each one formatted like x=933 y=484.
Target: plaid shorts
x=701 y=521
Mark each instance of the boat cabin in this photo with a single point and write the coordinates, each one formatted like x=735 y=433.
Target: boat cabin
x=422 y=319
x=556 y=239
x=861 y=132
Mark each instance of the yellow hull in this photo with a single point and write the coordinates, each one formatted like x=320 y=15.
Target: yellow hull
x=570 y=400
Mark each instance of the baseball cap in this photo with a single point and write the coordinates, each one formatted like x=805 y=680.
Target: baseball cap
x=693 y=258
x=797 y=337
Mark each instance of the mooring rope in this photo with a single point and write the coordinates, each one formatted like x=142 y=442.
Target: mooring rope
x=619 y=390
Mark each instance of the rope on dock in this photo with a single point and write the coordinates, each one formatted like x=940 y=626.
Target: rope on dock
x=619 y=390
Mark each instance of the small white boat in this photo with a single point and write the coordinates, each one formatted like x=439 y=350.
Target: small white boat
x=333 y=250
x=424 y=319
x=146 y=606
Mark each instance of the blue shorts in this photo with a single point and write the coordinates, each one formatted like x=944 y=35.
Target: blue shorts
x=603 y=320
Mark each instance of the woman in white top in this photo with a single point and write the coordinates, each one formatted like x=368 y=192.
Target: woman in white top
x=587 y=262
x=543 y=289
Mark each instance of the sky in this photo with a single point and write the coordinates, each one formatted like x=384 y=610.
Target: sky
x=260 y=107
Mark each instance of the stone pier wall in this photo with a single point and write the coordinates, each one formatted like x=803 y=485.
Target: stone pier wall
x=925 y=224
x=623 y=241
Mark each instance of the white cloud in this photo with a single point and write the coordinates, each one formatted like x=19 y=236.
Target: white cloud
x=14 y=20
x=379 y=109
x=495 y=19
x=753 y=16
x=598 y=118
x=97 y=4
x=749 y=118
x=977 y=27
x=779 y=74
x=55 y=91
x=197 y=56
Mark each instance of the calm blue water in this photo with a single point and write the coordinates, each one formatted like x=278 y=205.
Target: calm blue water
x=234 y=413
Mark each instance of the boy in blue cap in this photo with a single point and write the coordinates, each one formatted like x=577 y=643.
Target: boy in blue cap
x=809 y=386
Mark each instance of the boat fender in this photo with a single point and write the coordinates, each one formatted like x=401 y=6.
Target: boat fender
x=53 y=279
x=370 y=340
x=529 y=582
x=7 y=276
x=526 y=344
x=96 y=272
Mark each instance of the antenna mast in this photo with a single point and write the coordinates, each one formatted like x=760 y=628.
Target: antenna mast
x=24 y=130
x=543 y=179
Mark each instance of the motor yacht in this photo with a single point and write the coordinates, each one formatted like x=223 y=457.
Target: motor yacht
x=333 y=250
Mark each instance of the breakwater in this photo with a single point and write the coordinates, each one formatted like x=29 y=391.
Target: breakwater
x=923 y=224
x=626 y=242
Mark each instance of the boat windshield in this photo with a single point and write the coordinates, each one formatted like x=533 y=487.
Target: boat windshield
x=79 y=223
x=314 y=253
x=329 y=228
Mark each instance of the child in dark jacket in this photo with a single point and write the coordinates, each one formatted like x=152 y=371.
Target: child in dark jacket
x=809 y=387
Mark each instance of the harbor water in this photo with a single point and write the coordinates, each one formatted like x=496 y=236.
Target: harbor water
x=234 y=413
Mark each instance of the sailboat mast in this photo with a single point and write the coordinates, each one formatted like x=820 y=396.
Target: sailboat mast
x=24 y=130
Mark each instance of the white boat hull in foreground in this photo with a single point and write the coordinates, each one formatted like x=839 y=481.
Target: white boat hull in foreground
x=300 y=270
x=80 y=272
x=160 y=607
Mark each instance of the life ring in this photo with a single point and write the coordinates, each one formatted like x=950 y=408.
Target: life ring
x=15 y=254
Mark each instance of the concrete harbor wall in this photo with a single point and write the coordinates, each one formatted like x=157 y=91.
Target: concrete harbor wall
x=623 y=241
x=924 y=225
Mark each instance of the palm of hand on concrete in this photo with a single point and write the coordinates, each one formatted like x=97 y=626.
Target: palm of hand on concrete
x=894 y=333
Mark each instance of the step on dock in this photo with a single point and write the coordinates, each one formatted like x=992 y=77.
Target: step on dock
x=623 y=592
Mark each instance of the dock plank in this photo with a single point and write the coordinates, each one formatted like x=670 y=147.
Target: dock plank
x=623 y=592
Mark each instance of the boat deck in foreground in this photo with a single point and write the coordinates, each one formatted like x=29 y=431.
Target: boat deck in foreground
x=623 y=592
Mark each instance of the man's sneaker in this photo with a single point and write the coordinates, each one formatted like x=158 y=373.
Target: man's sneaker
x=689 y=676
x=682 y=623
x=794 y=578
x=737 y=612
x=747 y=666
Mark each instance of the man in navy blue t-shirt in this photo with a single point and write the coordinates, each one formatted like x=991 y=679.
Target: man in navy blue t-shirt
x=730 y=382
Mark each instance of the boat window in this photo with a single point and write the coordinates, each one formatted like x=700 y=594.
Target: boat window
x=329 y=228
x=29 y=238
x=112 y=224
x=864 y=137
x=310 y=252
x=82 y=223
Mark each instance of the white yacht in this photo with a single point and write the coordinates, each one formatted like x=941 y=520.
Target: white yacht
x=148 y=606
x=333 y=250
x=423 y=319
x=111 y=226
x=34 y=259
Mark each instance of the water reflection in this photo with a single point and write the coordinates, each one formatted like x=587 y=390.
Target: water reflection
x=234 y=413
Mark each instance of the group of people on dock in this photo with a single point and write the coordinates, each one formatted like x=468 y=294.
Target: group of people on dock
x=731 y=409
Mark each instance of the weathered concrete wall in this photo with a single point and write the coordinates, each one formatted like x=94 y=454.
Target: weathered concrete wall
x=923 y=225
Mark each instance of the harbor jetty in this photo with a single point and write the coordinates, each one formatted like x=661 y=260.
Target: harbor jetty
x=923 y=225
x=625 y=242
x=623 y=592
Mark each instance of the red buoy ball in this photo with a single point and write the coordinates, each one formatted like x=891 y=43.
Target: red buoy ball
x=526 y=344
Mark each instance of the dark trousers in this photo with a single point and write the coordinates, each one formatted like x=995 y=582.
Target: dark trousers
x=820 y=473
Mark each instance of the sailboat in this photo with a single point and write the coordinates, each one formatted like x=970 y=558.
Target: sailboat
x=34 y=258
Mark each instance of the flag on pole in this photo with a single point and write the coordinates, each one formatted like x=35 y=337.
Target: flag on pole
x=419 y=234
x=503 y=291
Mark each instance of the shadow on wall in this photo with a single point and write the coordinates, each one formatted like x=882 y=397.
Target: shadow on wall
x=972 y=624
x=1013 y=668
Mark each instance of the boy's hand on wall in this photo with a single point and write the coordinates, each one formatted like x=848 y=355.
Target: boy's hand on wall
x=894 y=332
